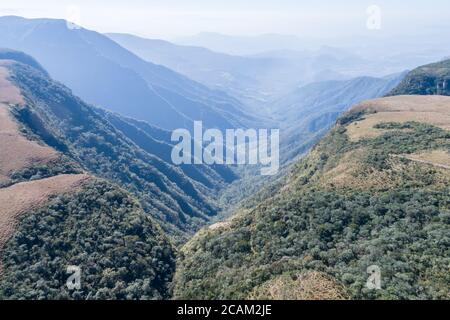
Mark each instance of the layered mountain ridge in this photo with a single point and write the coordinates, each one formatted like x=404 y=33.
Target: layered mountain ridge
x=103 y=73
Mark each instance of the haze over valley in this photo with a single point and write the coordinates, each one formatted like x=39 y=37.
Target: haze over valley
x=355 y=120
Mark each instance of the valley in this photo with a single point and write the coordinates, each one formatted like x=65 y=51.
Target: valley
x=88 y=176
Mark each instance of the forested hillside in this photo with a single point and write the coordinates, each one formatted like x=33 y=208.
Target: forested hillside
x=75 y=129
x=122 y=253
x=54 y=215
x=426 y=80
x=374 y=192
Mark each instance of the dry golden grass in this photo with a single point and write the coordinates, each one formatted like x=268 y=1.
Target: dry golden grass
x=22 y=197
x=16 y=151
x=309 y=286
x=434 y=110
x=427 y=109
x=439 y=158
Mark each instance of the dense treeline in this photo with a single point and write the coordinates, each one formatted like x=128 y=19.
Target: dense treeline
x=121 y=251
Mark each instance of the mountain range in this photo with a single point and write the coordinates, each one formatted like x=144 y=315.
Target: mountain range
x=103 y=73
x=244 y=45
x=87 y=180
x=256 y=78
x=238 y=75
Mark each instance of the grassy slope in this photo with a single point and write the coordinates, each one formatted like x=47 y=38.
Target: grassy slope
x=52 y=220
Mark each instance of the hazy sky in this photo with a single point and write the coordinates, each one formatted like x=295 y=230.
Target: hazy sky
x=171 y=18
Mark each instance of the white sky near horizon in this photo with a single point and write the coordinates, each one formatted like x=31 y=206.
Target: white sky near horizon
x=168 y=19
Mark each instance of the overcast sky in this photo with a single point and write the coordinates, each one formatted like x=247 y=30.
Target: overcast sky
x=172 y=18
